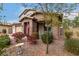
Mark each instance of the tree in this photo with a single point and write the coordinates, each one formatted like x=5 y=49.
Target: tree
x=1 y=9
x=76 y=21
x=67 y=23
x=50 y=10
x=2 y=17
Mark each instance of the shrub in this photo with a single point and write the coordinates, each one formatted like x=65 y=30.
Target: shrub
x=4 y=31
x=32 y=39
x=68 y=34
x=45 y=36
x=72 y=46
x=18 y=36
x=4 y=41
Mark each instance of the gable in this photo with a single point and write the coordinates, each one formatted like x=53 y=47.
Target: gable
x=38 y=15
x=26 y=12
x=29 y=13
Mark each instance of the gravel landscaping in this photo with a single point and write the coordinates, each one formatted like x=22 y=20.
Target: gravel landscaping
x=55 y=49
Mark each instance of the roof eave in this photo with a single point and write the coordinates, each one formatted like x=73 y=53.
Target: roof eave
x=21 y=19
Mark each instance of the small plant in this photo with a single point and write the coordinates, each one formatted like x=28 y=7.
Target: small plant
x=44 y=37
x=32 y=39
x=2 y=52
x=68 y=34
x=4 y=42
x=72 y=46
x=18 y=36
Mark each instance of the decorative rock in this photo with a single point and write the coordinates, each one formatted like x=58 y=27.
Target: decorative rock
x=24 y=39
x=13 y=40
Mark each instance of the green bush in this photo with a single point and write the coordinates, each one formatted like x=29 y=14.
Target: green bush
x=68 y=34
x=4 y=41
x=45 y=36
x=72 y=46
x=2 y=52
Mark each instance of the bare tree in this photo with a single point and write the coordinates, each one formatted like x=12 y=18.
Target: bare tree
x=2 y=17
x=1 y=9
x=56 y=9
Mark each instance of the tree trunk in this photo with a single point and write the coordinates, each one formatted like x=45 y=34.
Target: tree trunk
x=58 y=32
x=47 y=42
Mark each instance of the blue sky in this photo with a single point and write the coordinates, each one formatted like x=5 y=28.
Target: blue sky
x=11 y=11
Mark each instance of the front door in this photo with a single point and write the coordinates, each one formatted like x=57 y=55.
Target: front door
x=26 y=28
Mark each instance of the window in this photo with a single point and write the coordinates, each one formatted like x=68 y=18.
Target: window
x=4 y=31
x=0 y=30
x=49 y=28
x=10 y=30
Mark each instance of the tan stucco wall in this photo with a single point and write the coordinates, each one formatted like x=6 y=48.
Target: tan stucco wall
x=8 y=29
x=34 y=26
x=13 y=29
x=39 y=17
x=16 y=29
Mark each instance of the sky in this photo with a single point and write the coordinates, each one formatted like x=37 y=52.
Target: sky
x=11 y=12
